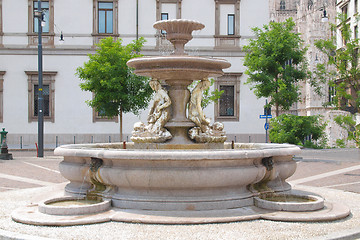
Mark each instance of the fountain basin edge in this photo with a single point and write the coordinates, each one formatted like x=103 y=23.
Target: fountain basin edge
x=177 y=179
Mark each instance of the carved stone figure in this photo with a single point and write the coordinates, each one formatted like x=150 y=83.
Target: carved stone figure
x=158 y=116
x=203 y=132
x=196 y=113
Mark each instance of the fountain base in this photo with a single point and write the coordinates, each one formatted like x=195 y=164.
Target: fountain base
x=31 y=214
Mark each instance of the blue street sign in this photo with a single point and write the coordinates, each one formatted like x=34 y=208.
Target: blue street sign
x=266 y=126
x=265 y=116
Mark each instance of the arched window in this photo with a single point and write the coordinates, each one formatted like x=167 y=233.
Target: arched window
x=310 y=4
x=282 y=5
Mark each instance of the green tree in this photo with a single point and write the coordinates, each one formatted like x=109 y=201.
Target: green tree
x=116 y=89
x=345 y=62
x=276 y=63
x=293 y=129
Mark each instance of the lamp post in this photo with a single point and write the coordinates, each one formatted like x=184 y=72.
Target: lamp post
x=324 y=17
x=40 y=15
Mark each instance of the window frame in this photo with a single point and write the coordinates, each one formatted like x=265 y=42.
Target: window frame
x=48 y=79
x=97 y=118
x=97 y=36
x=228 y=79
x=160 y=39
x=47 y=37
x=227 y=41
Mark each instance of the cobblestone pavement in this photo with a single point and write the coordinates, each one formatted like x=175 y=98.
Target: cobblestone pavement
x=332 y=168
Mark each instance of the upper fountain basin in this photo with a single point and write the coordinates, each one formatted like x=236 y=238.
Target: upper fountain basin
x=178 y=67
x=178 y=25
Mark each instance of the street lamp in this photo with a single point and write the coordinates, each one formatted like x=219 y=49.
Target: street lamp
x=40 y=16
x=324 y=17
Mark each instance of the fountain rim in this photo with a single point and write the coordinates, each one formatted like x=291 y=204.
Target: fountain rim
x=196 y=24
x=175 y=58
x=105 y=151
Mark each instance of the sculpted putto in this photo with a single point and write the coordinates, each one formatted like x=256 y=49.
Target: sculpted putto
x=203 y=132
x=158 y=116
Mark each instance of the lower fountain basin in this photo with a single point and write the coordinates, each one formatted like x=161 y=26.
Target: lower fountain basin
x=289 y=202
x=173 y=177
x=73 y=206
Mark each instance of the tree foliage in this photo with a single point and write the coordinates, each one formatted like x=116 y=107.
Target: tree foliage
x=116 y=89
x=276 y=63
x=345 y=62
x=293 y=129
x=349 y=124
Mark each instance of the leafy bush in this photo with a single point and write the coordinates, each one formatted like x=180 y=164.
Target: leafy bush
x=349 y=124
x=340 y=143
x=294 y=129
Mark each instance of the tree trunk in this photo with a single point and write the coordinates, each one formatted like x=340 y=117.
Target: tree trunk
x=277 y=109
x=121 y=124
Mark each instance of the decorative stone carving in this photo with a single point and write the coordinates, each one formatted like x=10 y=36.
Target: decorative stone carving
x=203 y=132
x=159 y=114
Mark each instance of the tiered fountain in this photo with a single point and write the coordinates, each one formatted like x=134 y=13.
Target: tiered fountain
x=178 y=169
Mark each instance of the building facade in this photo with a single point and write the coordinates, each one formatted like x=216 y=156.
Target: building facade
x=82 y=24
x=308 y=16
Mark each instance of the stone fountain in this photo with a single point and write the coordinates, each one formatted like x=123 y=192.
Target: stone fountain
x=178 y=169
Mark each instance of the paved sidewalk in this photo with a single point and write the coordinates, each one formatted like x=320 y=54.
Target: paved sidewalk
x=334 y=173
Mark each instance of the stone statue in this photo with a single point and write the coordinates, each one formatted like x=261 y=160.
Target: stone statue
x=196 y=113
x=158 y=116
x=203 y=132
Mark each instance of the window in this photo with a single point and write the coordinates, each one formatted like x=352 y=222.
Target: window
x=48 y=95
x=227 y=108
x=46 y=18
x=48 y=30
x=332 y=94
x=310 y=4
x=356 y=32
x=227 y=101
x=105 y=19
x=344 y=10
x=164 y=16
x=105 y=14
x=231 y=24
x=356 y=6
x=101 y=117
x=282 y=5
